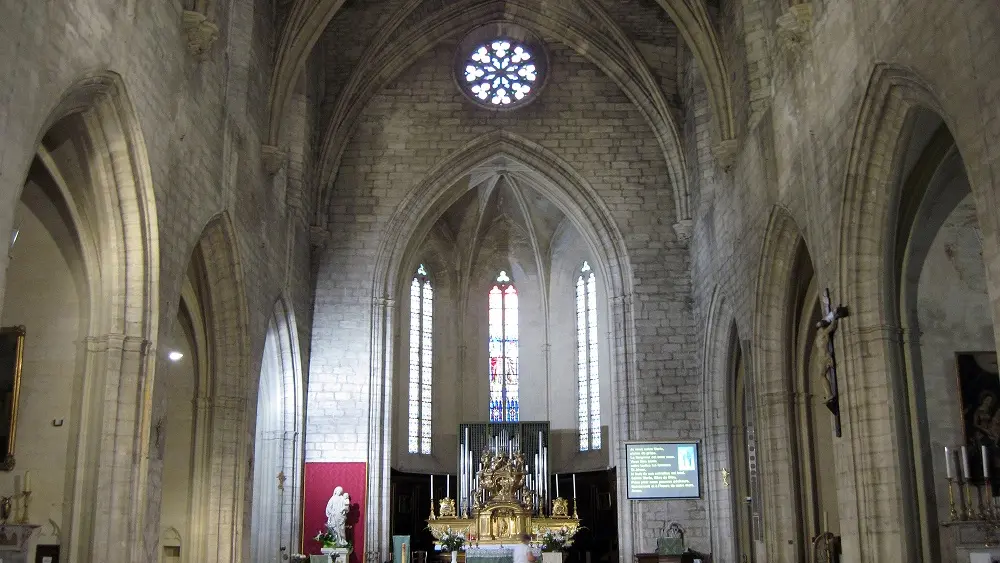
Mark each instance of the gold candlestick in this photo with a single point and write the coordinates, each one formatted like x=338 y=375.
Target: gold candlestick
x=986 y=500
x=970 y=512
x=951 y=499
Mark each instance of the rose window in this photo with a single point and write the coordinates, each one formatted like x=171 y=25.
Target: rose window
x=501 y=73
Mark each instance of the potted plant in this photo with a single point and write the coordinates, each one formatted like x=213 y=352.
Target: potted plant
x=452 y=542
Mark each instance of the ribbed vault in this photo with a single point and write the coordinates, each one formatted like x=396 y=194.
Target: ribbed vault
x=400 y=31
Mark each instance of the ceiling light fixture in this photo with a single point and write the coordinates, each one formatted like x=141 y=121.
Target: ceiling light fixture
x=174 y=356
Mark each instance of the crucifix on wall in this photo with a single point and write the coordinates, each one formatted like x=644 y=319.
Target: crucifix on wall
x=827 y=326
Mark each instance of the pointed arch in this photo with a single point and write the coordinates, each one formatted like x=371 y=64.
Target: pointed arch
x=278 y=444
x=719 y=329
x=309 y=18
x=772 y=316
x=873 y=191
x=113 y=210
x=416 y=215
x=221 y=473
x=625 y=67
x=695 y=26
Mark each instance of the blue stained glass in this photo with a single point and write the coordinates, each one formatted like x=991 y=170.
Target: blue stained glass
x=503 y=372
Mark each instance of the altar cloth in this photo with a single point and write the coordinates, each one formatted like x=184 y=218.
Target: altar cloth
x=489 y=555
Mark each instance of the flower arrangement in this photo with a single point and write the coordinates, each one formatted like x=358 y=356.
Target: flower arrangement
x=451 y=541
x=326 y=537
x=557 y=540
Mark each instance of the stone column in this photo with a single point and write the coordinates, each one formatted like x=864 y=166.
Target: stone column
x=626 y=397
x=384 y=314
x=876 y=447
x=108 y=506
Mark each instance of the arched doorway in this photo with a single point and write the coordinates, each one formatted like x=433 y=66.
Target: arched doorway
x=277 y=478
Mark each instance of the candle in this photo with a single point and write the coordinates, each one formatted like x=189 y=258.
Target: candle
x=965 y=463
x=27 y=481
x=557 y=485
x=432 y=487
x=447 y=486
x=986 y=463
x=948 y=466
x=574 y=486
x=826 y=522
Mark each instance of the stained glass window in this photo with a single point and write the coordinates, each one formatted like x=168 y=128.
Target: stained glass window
x=421 y=317
x=500 y=73
x=588 y=382
x=504 y=405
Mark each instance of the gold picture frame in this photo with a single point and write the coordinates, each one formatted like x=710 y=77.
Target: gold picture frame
x=11 y=362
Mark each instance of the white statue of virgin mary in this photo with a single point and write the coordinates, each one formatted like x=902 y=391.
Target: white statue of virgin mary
x=336 y=514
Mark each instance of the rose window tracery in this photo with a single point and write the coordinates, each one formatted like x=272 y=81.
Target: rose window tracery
x=501 y=73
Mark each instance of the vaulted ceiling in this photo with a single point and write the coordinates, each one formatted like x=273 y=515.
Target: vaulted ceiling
x=364 y=44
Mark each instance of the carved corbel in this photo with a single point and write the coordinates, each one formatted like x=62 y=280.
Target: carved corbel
x=725 y=153
x=201 y=33
x=272 y=159
x=795 y=25
x=684 y=228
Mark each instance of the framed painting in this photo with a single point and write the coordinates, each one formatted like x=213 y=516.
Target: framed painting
x=979 y=388
x=11 y=360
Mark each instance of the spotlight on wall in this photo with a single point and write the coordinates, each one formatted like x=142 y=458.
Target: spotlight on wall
x=174 y=356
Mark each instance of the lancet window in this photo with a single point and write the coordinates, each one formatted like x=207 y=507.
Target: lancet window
x=503 y=351
x=421 y=319
x=588 y=382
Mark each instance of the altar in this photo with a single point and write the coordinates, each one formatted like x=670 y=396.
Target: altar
x=489 y=555
x=503 y=506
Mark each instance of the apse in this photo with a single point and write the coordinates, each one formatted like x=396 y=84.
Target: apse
x=503 y=320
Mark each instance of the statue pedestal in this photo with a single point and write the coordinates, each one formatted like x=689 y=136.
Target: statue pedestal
x=552 y=557
x=336 y=554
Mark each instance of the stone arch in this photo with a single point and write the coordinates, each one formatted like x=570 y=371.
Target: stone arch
x=278 y=442
x=870 y=217
x=773 y=391
x=717 y=359
x=867 y=232
x=222 y=446
x=309 y=18
x=111 y=208
x=695 y=26
x=414 y=216
x=627 y=69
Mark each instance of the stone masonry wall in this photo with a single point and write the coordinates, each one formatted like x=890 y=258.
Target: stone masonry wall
x=201 y=123
x=419 y=119
x=796 y=156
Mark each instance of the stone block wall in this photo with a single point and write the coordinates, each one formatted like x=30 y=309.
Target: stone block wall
x=200 y=123
x=581 y=116
x=796 y=157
